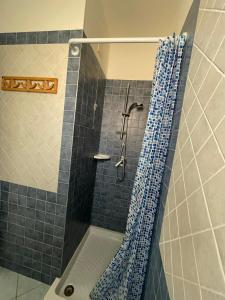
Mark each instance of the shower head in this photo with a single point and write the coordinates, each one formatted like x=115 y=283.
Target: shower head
x=133 y=106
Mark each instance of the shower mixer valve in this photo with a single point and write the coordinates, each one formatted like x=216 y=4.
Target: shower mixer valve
x=121 y=162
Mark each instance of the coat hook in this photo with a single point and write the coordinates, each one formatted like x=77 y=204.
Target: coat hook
x=14 y=84
x=31 y=85
x=48 y=86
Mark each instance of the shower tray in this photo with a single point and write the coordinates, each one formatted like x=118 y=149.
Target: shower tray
x=89 y=261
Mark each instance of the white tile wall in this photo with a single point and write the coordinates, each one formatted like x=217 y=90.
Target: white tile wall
x=31 y=123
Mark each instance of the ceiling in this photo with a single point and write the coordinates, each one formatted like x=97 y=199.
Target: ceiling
x=132 y=18
x=142 y=17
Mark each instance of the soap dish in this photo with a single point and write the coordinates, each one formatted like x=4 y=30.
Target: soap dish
x=101 y=156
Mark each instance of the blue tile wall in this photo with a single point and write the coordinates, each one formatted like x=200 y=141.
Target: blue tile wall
x=85 y=144
x=30 y=231
x=33 y=222
x=39 y=37
x=155 y=283
x=112 y=198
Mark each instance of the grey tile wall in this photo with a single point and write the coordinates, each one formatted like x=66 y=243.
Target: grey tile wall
x=112 y=198
x=195 y=203
x=155 y=282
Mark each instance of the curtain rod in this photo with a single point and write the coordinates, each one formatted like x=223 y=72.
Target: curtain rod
x=74 y=42
x=116 y=40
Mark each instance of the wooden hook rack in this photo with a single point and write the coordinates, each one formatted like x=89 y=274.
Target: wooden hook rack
x=30 y=84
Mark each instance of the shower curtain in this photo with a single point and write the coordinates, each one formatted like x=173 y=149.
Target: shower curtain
x=124 y=277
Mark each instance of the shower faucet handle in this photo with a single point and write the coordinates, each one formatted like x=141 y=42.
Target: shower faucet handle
x=120 y=162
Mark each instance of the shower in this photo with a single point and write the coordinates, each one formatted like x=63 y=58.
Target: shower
x=121 y=164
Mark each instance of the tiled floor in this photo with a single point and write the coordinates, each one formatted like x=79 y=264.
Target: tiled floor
x=15 y=286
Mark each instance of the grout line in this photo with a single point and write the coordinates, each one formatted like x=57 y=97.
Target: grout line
x=183 y=126
x=209 y=60
x=209 y=41
x=211 y=129
x=218 y=227
x=34 y=288
x=217 y=10
x=178 y=160
x=182 y=202
x=212 y=33
x=215 y=90
x=198 y=26
x=189 y=220
x=199 y=21
x=198 y=67
x=220 y=122
x=181 y=256
x=191 y=106
x=175 y=197
x=206 y=47
x=192 y=234
x=200 y=148
x=218 y=49
x=215 y=174
x=199 y=286
x=213 y=93
x=189 y=235
x=182 y=270
x=197 y=121
x=212 y=291
x=184 y=143
x=170 y=258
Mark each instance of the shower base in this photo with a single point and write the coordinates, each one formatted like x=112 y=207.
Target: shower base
x=89 y=261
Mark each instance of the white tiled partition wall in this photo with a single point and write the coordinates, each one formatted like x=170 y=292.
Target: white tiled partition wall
x=193 y=234
x=31 y=123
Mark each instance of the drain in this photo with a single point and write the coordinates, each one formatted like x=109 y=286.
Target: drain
x=69 y=290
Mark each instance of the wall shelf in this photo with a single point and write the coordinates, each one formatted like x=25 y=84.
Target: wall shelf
x=101 y=156
x=30 y=84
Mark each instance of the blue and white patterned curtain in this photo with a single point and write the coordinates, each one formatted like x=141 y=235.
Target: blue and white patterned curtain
x=124 y=277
